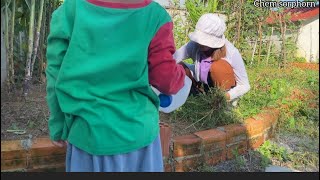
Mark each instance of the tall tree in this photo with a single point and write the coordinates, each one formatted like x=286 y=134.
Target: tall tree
x=6 y=42
x=27 y=79
x=11 y=54
x=36 y=45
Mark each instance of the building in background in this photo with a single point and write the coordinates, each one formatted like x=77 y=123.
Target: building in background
x=308 y=38
x=308 y=34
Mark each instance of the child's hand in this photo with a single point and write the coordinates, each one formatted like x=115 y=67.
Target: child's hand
x=60 y=143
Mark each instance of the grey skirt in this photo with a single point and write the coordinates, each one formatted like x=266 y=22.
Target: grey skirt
x=146 y=159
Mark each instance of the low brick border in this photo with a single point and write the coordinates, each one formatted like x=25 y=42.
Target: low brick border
x=180 y=153
x=219 y=144
x=26 y=155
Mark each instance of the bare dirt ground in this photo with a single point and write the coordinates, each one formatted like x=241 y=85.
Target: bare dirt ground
x=311 y=66
x=21 y=118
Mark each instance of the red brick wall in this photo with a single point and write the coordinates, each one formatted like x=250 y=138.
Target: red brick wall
x=219 y=144
x=180 y=153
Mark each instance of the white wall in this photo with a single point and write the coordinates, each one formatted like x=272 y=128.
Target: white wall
x=166 y=3
x=308 y=40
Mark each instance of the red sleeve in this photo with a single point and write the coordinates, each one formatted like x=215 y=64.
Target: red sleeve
x=164 y=73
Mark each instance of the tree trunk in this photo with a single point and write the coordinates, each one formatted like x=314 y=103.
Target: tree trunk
x=253 y=51
x=3 y=51
x=282 y=59
x=6 y=41
x=21 y=40
x=27 y=79
x=284 y=50
x=281 y=31
x=11 y=64
x=269 y=46
x=39 y=23
x=42 y=43
x=260 y=42
x=239 y=23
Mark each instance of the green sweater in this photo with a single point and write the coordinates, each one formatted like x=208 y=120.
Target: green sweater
x=101 y=62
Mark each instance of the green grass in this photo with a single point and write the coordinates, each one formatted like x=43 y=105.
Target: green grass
x=273 y=153
x=298 y=124
x=206 y=111
x=270 y=86
x=299 y=118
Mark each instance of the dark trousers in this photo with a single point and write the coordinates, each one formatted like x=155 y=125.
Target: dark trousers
x=221 y=75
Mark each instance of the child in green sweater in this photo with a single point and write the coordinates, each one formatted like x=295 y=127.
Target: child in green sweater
x=103 y=55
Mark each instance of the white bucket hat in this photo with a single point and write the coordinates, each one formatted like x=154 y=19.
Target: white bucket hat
x=209 y=31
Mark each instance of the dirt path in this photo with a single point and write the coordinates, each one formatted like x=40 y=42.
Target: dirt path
x=310 y=66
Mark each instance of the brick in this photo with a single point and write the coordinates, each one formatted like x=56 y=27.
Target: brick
x=215 y=157
x=234 y=133
x=265 y=118
x=13 y=164
x=44 y=147
x=210 y=136
x=273 y=114
x=274 y=127
x=253 y=127
x=188 y=164
x=268 y=133
x=214 y=146
x=54 y=168
x=255 y=142
x=165 y=137
x=186 y=145
x=167 y=167
x=237 y=139
x=12 y=150
x=240 y=148
x=268 y=117
x=50 y=160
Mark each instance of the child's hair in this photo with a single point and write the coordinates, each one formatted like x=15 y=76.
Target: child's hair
x=219 y=53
